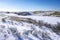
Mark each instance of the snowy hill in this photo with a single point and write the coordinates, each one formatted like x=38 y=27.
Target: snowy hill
x=35 y=13
x=46 y=13
x=16 y=27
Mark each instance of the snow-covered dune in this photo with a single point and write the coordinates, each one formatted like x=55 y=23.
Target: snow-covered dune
x=23 y=30
x=48 y=19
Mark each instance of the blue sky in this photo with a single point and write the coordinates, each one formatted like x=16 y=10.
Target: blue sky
x=29 y=5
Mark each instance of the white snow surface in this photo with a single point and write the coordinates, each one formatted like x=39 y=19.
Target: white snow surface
x=48 y=19
x=13 y=30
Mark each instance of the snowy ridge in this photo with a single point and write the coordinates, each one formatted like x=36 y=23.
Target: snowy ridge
x=26 y=30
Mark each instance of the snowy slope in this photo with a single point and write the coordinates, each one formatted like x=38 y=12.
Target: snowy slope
x=48 y=19
x=20 y=30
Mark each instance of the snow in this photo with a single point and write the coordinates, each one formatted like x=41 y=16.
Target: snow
x=48 y=19
x=14 y=30
x=51 y=20
x=4 y=34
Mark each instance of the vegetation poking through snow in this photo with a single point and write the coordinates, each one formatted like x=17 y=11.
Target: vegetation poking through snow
x=57 y=14
x=55 y=28
x=20 y=28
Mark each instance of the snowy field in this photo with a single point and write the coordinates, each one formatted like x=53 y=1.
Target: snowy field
x=37 y=28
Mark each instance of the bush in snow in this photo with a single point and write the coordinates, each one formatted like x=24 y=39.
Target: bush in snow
x=57 y=28
x=15 y=33
x=3 y=20
x=40 y=23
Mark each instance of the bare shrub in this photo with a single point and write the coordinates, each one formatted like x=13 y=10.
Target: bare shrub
x=40 y=23
x=3 y=20
x=57 y=29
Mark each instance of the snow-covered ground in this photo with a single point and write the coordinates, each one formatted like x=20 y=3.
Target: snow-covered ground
x=20 y=30
x=48 y=19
